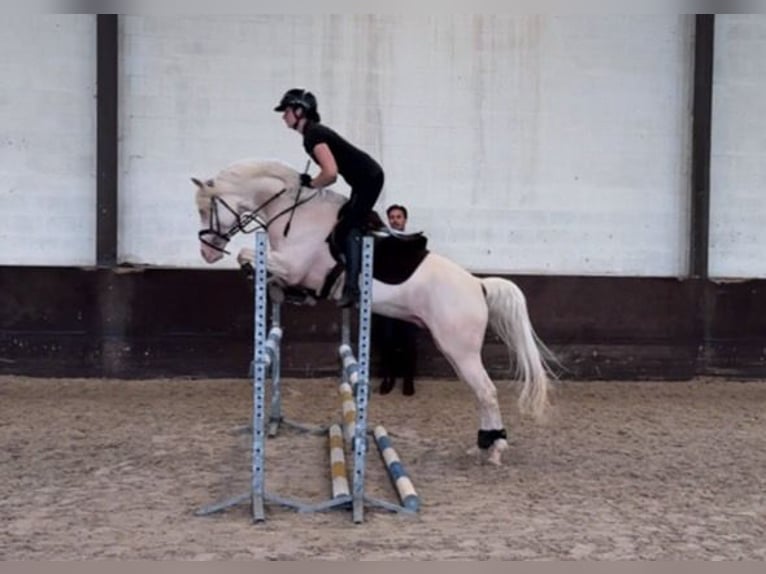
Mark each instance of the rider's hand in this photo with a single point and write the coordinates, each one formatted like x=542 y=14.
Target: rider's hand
x=305 y=180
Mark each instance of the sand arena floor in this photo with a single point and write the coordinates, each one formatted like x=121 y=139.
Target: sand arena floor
x=98 y=469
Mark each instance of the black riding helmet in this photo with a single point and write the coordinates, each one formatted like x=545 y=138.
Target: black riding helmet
x=299 y=98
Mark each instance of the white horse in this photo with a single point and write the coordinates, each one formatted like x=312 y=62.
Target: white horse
x=452 y=304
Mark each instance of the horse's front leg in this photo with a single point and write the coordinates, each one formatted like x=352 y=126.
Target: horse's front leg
x=245 y=260
x=278 y=278
x=275 y=266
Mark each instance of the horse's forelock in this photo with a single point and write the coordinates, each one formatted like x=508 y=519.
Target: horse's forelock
x=204 y=193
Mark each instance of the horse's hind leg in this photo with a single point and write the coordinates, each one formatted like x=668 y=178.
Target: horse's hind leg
x=492 y=435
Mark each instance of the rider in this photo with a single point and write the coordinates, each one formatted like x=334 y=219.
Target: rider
x=334 y=155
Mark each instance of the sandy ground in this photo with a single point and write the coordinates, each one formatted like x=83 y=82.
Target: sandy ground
x=103 y=469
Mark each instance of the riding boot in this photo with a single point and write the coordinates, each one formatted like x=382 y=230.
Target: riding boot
x=353 y=255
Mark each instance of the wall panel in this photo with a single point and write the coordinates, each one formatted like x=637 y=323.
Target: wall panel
x=572 y=133
x=47 y=139
x=738 y=154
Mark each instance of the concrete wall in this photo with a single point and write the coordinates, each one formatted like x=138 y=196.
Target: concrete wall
x=532 y=145
x=521 y=144
x=549 y=150
x=47 y=140
x=738 y=167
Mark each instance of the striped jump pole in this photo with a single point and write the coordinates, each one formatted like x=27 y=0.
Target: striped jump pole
x=348 y=409
x=348 y=386
x=338 y=473
x=272 y=346
x=273 y=361
x=273 y=356
x=399 y=477
x=349 y=364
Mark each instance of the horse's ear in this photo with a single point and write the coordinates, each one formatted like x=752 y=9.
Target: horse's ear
x=208 y=183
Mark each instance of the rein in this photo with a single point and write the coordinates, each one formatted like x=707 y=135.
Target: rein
x=244 y=220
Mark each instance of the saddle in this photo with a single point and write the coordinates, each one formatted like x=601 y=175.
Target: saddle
x=397 y=254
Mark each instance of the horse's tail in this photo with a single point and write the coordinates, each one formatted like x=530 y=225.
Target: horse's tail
x=509 y=318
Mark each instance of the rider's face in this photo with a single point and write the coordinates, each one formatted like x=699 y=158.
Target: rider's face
x=290 y=118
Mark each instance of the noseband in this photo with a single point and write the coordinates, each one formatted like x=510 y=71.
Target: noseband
x=243 y=221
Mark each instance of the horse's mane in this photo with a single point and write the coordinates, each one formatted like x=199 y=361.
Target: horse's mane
x=239 y=172
x=245 y=169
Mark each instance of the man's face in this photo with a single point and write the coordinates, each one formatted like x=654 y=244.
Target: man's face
x=396 y=219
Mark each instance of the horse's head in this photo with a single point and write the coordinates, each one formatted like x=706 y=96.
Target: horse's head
x=219 y=221
x=241 y=198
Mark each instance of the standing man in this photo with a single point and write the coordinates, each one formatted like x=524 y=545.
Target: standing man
x=398 y=351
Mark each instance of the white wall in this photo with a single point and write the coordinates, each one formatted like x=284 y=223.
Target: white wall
x=738 y=162
x=520 y=144
x=47 y=139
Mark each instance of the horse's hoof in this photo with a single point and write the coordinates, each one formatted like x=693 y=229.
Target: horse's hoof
x=484 y=456
x=495 y=457
x=246 y=255
x=247 y=269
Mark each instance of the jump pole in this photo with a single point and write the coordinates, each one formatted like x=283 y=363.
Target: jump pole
x=274 y=347
x=399 y=477
x=338 y=473
x=348 y=411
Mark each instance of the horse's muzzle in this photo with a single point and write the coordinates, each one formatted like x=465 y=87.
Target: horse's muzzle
x=210 y=254
x=212 y=245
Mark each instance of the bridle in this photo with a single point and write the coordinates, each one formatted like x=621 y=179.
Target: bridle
x=243 y=222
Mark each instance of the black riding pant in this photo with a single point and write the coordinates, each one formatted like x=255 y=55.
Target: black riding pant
x=354 y=214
